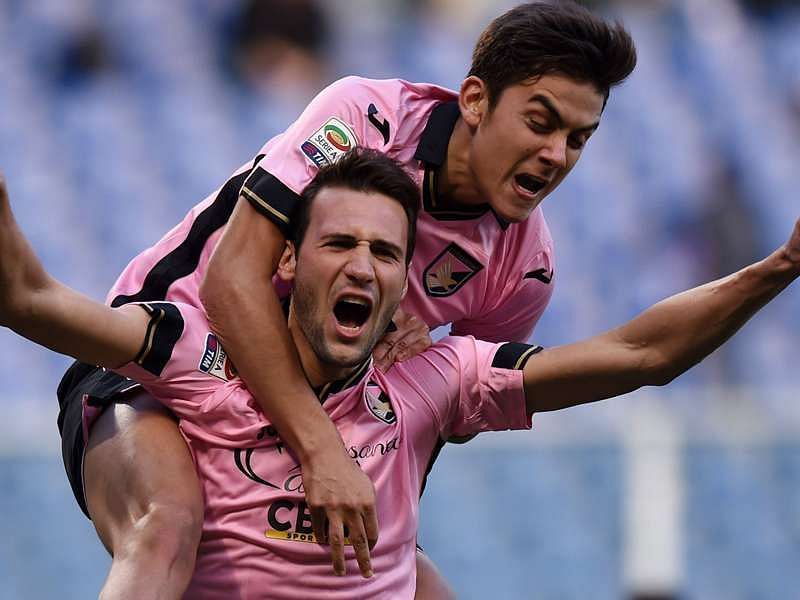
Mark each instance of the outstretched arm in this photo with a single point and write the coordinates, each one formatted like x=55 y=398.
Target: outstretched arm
x=49 y=313
x=661 y=343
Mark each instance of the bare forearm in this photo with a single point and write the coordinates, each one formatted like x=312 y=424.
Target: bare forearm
x=658 y=345
x=683 y=329
x=47 y=312
x=251 y=325
x=21 y=273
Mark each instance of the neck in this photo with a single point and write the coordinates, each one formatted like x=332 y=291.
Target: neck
x=316 y=371
x=456 y=180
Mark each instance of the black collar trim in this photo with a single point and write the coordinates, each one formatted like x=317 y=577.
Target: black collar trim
x=432 y=147
x=334 y=387
x=432 y=150
x=451 y=211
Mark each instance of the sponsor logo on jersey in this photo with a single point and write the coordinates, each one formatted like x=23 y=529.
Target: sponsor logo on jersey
x=379 y=404
x=288 y=517
x=329 y=142
x=368 y=450
x=290 y=520
x=215 y=360
x=449 y=271
x=314 y=154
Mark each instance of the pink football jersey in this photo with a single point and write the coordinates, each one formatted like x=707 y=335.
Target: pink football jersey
x=257 y=536
x=489 y=278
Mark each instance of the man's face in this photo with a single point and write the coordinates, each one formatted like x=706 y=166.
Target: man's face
x=523 y=148
x=349 y=274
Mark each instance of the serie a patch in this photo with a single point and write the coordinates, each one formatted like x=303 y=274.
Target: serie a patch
x=379 y=404
x=215 y=360
x=328 y=143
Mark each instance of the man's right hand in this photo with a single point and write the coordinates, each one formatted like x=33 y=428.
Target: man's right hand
x=341 y=497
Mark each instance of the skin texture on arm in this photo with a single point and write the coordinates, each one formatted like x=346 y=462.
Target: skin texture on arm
x=661 y=343
x=49 y=313
x=245 y=313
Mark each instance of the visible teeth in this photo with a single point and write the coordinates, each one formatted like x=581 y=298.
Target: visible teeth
x=532 y=184
x=359 y=301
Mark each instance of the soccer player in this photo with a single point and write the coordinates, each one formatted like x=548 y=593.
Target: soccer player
x=348 y=264
x=485 y=157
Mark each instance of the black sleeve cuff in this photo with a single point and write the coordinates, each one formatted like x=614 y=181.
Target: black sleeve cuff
x=514 y=355
x=269 y=196
x=163 y=332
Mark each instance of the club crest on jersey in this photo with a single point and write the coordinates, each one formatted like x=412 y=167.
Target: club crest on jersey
x=215 y=360
x=379 y=403
x=329 y=142
x=449 y=271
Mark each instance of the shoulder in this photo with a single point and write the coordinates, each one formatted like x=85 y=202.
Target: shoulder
x=392 y=88
x=533 y=228
x=528 y=240
x=392 y=99
x=447 y=360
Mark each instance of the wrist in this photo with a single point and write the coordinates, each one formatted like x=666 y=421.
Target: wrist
x=784 y=263
x=318 y=444
x=317 y=455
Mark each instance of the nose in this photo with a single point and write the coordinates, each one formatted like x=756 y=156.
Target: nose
x=554 y=153
x=359 y=267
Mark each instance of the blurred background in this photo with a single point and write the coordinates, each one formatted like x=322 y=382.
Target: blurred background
x=117 y=117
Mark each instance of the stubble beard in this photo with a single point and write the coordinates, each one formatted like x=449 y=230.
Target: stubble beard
x=312 y=328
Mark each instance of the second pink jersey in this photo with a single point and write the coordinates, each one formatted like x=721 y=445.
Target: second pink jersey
x=257 y=538
x=489 y=278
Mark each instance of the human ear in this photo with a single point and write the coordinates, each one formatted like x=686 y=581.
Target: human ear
x=288 y=262
x=473 y=100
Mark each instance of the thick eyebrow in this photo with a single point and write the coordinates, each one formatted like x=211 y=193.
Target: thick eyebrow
x=338 y=237
x=545 y=101
x=379 y=244
x=387 y=246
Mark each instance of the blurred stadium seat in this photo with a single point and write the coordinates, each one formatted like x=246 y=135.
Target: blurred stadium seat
x=103 y=160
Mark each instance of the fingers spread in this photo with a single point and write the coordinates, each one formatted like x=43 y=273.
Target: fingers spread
x=341 y=501
x=360 y=544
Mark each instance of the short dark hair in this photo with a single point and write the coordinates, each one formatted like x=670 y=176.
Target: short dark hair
x=363 y=170
x=541 y=38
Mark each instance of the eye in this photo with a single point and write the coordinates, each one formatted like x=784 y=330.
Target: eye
x=385 y=254
x=538 y=127
x=577 y=143
x=339 y=244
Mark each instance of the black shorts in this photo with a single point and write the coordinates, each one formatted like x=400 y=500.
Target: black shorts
x=100 y=388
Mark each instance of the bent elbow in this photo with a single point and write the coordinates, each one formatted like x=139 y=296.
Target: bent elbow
x=17 y=301
x=218 y=295
x=668 y=369
x=209 y=290
x=659 y=370
x=663 y=377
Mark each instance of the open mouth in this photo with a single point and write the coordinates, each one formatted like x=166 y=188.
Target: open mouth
x=529 y=183
x=351 y=312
